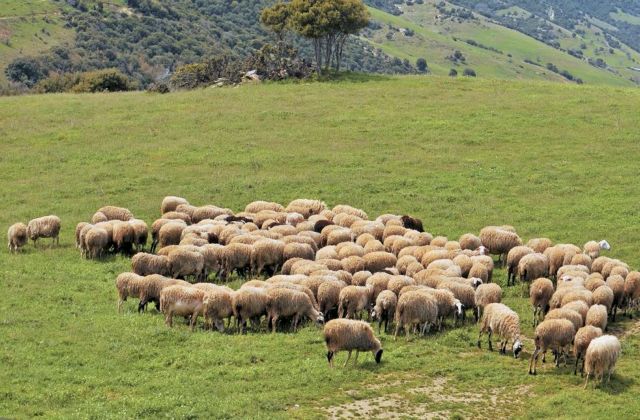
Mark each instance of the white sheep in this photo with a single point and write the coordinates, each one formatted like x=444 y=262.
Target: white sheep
x=601 y=357
x=349 y=335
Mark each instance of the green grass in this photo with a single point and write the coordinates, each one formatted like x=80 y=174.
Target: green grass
x=553 y=160
x=435 y=40
x=625 y=17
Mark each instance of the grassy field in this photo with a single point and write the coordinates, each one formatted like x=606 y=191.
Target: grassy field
x=553 y=160
x=435 y=39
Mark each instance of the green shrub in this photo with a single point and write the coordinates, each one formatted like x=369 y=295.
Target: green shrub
x=108 y=80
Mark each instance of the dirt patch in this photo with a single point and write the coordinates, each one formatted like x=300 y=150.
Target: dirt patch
x=439 y=400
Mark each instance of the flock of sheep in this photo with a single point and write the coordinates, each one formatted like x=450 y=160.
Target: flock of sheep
x=333 y=265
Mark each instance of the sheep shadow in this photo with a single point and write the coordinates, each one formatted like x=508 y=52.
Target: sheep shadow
x=616 y=386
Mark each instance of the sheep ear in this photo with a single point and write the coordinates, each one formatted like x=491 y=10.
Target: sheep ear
x=378 y=355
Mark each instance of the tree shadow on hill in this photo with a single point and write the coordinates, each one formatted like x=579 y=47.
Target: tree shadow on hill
x=353 y=77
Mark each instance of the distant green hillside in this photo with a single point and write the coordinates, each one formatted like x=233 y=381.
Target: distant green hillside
x=435 y=30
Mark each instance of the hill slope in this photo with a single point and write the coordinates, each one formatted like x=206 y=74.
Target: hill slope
x=460 y=154
x=435 y=30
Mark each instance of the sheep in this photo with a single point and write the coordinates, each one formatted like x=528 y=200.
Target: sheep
x=411 y=222
x=345 y=220
x=79 y=228
x=236 y=257
x=145 y=264
x=176 y=215
x=533 y=266
x=353 y=264
x=568 y=314
x=267 y=254
x=469 y=241
x=17 y=235
x=601 y=357
x=446 y=302
x=170 y=233
x=500 y=319
x=140 y=233
x=479 y=271
x=348 y=249
x=360 y=278
x=616 y=283
x=597 y=316
x=349 y=335
x=415 y=308
x=631 y=290
x=555 y=255
x=150 y=287
x=413 y=268
x=184 y=262
x=608 y=268
x=170 y=203
x=127 y=284
x=384 y=309
x=592 y=248
x=436 y=254
x=487 y=261
x=327 y=252
x=397 y=282
x=44 y=227
x=499 y=241
x=540 y=293
x=99 y=217
x=305 y=207
x=330 y=264
x=353 y=300
x=258 y=206
x=116 y=213
x=249 y=304
x=217 y=306
x=580 y=306
x=329 y=297
x=581 y=342
x=464 y=293
x=486 y=294
x=339 y=235
x=539 y=244
x=619 y=270
x=464 y=262
x=555 y=334
x=439 y=241
x=379 y=260
x=582 y=260
x=513 y=258
x=186 y=208
x=182 y=300
x=286 y=303
x=208 y=212
x=96 y=242
x=577 y=294
x=593 y=282
x=123 y=237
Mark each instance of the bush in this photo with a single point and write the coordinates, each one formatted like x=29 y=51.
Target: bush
x=158 y=87
x=453 y=72
x=469 y=72
x=25 y=70
x=108 y=80
x=58 y=83
x=421 y=65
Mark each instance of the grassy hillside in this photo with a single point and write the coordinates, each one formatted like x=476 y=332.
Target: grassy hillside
x=498 y=51
x=553 y=160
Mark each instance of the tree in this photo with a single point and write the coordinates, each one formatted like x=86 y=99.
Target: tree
x=469 y=72
x=276 y=18
x=453 y=72
x=25 y=70
x=421 y=64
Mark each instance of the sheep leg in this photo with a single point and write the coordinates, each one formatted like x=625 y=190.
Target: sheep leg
x=295 y=322
x=534 y=361
x=169 y=319
x=395 y=334
x=194 y=320
x=479 y=338
x=380 y=324
x=575 y=369
x=489 y=340
x=355 y=361
x=348 y=357
x=586 y=381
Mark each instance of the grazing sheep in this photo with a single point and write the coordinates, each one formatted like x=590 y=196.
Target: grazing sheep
x=378 y=261
x=486 y=294
x=123 y=237
x=464 y=293
x=170 y=233
x=349 y=249
x=608 y=268
x=305 y=207
x=182 y=301
x=44 y=227
x=116 y=213
x=96 y=242
x=500 y=319
x=237 y=257
x=446 y=302
x=187 y=209
x=439 y=241
x=150 y=287
x=597 y=316
x=593 y=282
x=581 y=260
x=345 y=209
x=267 y=254
x=249 y=304
x=479 y=271
x=145 y=264
x=18 y=236
x=499 y=241
x=411 y=222
x=581 y=342
x=540 y=294
x=616 y=283
x=539 y=244
x=336 y=236
x=597 y=265
x=513 y=259
x=592 y=248
x=415 y=309
x=353 y=300
x=127 y=284
x=208 y=212
x=171 y=203
x=601 y=357
x=568 y=314
x=329 y=297
x=533 y=266
x=469 y=241
x=217 y=306
x=176 y=215
x=631 y=291
x=353 y=264
x=397 y=282
x=384 y=309
x=99 y=217
x=79 y=228
x=555 y=334
x=580 y=306
x=184 y=262
x=258 y=206
x=487 y=261
x=349 y=335
x=140 y=233
x=464 y=262
x=284 y=302
x=577 y=294
x=360 y=278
